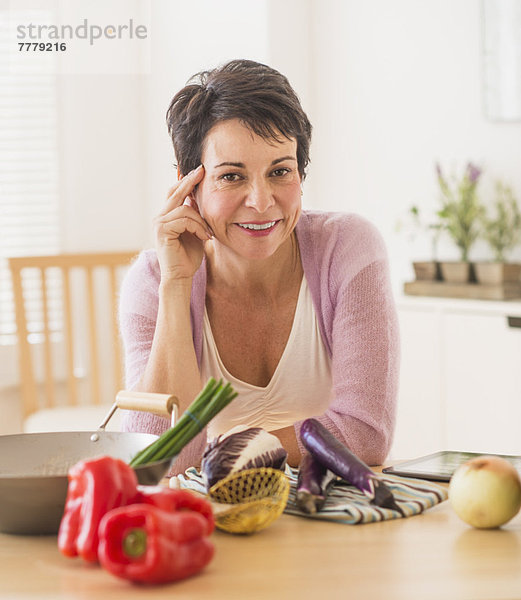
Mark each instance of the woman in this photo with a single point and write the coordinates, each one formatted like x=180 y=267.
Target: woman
x=293 y=308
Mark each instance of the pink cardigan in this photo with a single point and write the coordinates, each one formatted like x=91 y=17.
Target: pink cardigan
x=345 y=264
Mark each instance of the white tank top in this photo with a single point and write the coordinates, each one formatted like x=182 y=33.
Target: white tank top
x=301 y=385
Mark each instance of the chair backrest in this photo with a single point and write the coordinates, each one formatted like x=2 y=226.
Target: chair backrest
x=78 y=288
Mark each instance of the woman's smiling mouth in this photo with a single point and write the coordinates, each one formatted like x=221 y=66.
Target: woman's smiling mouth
x=256 y=229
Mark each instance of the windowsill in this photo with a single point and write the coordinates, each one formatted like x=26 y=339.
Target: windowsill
x=460 y=304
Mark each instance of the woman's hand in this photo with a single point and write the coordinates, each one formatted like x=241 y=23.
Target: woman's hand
x=181 y=231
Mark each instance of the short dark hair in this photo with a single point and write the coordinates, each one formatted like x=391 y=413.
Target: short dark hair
x=259 y=96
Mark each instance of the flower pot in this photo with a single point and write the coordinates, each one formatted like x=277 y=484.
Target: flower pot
x=493 y=273
x=456 y=272
x=427 y=270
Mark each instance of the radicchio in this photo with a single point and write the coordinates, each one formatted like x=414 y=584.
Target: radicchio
x=241 y=449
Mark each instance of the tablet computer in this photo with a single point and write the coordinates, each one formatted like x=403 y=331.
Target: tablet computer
x=440 y=466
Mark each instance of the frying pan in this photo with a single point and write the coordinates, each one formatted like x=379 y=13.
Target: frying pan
x=34 y=466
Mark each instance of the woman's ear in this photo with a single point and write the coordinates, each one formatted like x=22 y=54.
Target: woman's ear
x=179 y=175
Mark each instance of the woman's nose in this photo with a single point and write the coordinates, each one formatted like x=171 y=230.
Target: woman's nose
x=259 y=197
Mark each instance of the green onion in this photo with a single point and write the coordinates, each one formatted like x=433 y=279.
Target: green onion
x=215 y=396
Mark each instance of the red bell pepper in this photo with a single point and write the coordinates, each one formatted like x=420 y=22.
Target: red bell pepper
x=95 y=487
x=146 y=544
x=177 y=500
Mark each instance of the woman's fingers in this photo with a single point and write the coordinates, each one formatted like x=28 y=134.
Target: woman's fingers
x=174 y=229
x=180 y=220
x=184 y=187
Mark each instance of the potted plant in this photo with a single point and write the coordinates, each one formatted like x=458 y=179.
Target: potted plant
x=460 y=218
x=502 y=232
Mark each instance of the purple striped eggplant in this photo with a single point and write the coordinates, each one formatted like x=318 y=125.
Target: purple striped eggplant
x=313 y=484
x=336 y=457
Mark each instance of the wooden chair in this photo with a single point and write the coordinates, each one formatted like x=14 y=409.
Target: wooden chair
x=80 y=292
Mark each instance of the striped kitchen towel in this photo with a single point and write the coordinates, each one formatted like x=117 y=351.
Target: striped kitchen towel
x=346 y=504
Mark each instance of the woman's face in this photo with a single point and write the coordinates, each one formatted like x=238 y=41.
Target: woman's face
x=250 y=195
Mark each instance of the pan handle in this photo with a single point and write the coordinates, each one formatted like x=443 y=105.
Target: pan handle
x=159 y=404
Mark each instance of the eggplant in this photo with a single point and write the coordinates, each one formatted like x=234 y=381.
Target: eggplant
x=336 y=457
x=239 y=449
x=313 y=484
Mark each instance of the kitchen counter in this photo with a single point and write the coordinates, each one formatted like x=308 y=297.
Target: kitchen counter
x=432 y=555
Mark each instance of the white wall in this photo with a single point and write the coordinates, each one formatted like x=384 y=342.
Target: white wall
x=398 y=85
x=101 y=129
x=102 y=157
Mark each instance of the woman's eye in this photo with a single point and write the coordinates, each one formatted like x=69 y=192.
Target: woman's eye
x=280 y=172
x=230 y=177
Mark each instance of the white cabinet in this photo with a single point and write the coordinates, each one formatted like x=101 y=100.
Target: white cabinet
x=482 y=383
x=419 y=417
x=460 y=380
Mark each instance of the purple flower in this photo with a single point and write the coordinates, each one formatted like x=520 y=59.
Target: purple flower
x=473 y=173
